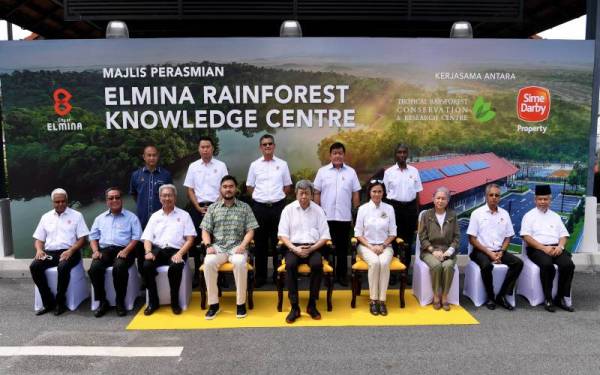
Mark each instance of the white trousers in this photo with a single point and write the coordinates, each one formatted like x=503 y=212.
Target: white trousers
x=379 y=271
x=212 y=262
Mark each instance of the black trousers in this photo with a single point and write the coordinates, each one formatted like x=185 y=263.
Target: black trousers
x=120 y=273
x=265 y=236
x=566 y=270
x=292 y=261
x=340 y=237
x=194 y=251
x=515 y=266
x=163 y=257
x=406 y=224
x=38 y=268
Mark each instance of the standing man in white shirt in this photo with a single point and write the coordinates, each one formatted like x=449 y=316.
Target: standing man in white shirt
x=490 y=230
x=303 y=230
x=268 y=182
x=337 y=191
x=403 y=185
x=203 y=181
x=167 y=239
x=546 y=236
x=59 y=236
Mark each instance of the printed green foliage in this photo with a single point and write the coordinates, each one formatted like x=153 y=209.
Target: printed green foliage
x=482 y=110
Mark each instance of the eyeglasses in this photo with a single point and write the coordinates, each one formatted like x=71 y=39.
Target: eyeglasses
x=374 y=181
x=493 y=195
x=267 y=144
x=113 y=198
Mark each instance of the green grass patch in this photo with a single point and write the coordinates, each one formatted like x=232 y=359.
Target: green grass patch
x=572 y=241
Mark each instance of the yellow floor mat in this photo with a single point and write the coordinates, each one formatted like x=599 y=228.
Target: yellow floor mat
x=265 y=313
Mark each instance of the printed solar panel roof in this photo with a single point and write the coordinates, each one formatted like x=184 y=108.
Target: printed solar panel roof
x=477 y=165
x=455 y=170
x=430 y=175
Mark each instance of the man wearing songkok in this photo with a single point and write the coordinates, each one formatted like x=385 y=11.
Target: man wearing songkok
x=59 y=236
x=546 y=236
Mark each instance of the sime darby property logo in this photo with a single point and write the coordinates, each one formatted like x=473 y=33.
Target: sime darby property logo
x=533 y=104
x=63 y=107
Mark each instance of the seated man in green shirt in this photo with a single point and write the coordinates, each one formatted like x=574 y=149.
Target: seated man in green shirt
x=227 y=229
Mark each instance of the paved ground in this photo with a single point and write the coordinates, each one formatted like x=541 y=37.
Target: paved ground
x=528 y=341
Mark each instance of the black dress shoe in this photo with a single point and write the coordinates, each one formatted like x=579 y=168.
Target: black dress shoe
x=548 y=306
x=150 y=309
x=382 y=308
x=241 y=311
x=501 y=300
x=293 y=315
x=176 y=309
x=102 y=309
x=490 y=304
x=560 y=303
x=373 y=308
x=313 y=312
x=212 y=312
x=121 y=311
x=44 y=310
x=60 y=309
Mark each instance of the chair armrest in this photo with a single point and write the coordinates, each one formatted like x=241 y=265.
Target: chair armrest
x=354 y=249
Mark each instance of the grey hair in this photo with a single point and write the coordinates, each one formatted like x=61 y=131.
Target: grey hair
x=167 y=186
x=489 y=187
x=442 y=189
x=60 y=191
x=305 y=185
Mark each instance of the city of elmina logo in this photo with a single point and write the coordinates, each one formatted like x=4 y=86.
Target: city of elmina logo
x=533 y=104
x=482 y=110
x=62 y=107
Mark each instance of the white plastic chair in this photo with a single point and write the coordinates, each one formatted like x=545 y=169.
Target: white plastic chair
x=133 y=289
x=421 y=281
x=77 y=291
x=529 y=284
x=474 y=288
x=164 y=290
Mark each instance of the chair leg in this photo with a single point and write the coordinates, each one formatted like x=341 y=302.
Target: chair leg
x=403 y=277
x=353 y=283
x=329 y=280
x=358 y=284
x=250 y=290
x=280 y=281
x=202 y=291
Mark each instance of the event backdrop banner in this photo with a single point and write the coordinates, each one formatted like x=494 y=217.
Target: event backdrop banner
x=77 y=114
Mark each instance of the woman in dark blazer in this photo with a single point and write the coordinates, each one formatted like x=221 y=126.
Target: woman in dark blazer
x=439 y=235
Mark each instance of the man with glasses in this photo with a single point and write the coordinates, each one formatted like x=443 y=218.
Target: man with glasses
x=167 y=239
x=403 y=184
x=113 y=239
x=490 y=230
x=59 y=236
x=203 y=180
x=268 y=182
x=337 y=191
x=303 y=230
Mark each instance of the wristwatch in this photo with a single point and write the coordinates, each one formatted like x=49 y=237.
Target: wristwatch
x=561 y=247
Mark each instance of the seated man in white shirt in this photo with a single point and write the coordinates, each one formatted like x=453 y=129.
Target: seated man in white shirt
x=545 y=235
x=59 y=236
x=303 y=230
x=167 y=238
x=490 y=230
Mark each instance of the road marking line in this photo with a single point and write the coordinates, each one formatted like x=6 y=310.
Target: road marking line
x=92 y=351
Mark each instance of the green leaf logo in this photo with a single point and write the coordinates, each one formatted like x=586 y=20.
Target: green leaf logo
x=482 y=110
